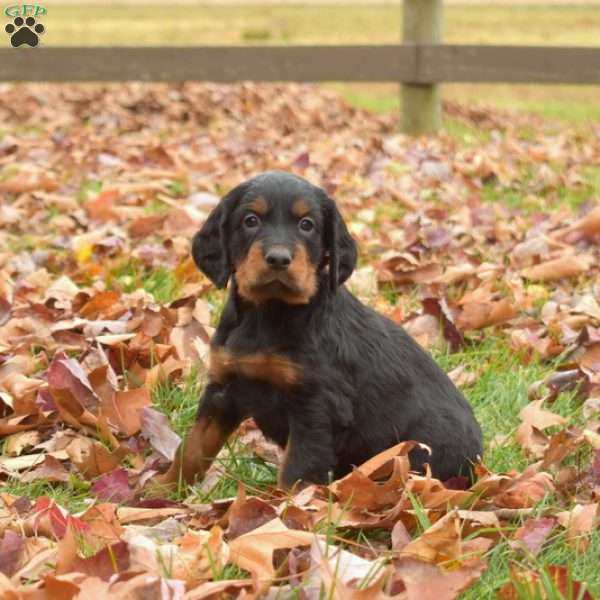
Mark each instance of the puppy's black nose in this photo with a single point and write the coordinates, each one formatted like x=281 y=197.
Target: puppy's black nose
x=278 y=258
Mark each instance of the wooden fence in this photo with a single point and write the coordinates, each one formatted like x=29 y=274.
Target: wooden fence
x=418 y=63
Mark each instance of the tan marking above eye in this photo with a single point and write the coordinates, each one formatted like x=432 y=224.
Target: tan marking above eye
x=300 y=208
x=260 y=206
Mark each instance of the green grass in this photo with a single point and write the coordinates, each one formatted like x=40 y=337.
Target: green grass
x=82 y=24
x=467 y=135
x=499 y=394
x=296 y=24
x=500 y=391
x=161 y=282
x=556 y=552
x=570 y=103
x=180 y=403
x=163 y=285
x=497 y=397
x=541 y=200
x=73 y=495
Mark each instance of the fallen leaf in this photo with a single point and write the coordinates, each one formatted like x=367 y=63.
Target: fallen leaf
x=15 y=444
x=124 y=409
x=477 y=315
x=534 y=419
x=579 y=522
x=11 y=551
x=110 y=560
x=253 y=551
x=156 y=429
x=533 y=533
x=113 y=487
x=530 y=584
x=559 y=268
x=425 y=581
x=93 y=458
x=247 y=514
x=360 y=491
x=439 y=543
x=526 y=490
x=50 y=470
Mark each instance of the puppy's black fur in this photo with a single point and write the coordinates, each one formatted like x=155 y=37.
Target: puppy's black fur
x=324 y=376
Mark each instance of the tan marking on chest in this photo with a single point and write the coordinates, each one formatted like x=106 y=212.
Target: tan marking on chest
x=270 y=367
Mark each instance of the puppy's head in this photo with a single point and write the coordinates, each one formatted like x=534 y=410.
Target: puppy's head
x=275 y=233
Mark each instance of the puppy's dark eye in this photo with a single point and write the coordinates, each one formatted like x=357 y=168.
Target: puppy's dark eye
x=251 y=221
x=306 y=224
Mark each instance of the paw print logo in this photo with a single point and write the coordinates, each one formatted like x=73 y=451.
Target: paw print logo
x=24 y=32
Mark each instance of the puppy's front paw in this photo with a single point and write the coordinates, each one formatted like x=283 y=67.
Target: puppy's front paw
x=161 y=485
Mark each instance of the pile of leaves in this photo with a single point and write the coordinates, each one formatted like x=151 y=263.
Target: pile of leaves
x=102 y=188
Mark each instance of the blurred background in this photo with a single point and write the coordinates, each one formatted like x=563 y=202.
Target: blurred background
x=231 y=22
x=482 y=240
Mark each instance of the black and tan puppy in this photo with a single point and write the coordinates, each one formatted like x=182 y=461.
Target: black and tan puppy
x=324 y=376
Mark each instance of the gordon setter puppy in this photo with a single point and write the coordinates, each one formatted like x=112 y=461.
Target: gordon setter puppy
x=328 y=379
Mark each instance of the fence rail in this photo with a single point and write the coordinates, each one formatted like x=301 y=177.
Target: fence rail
x=407 y=63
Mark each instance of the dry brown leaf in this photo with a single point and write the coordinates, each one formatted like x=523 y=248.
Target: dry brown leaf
x=358 y=490
x=102 y=522
x=589 y=225
x=562 y=444
x=253 y=551
x=526 y=490
x=93 y=458
x=559 y=268
x=425 y=581
x=247 y=514
x=199 y=553
x=432 y=493
x=439 y=543
x=123 y=409
x=28 y=182
x=217 y=589
x=534 y=419
x=128 y=514
x=590 y=360
x=533 y=533
x=477 y=315
x=15 y=444
x=579 y=522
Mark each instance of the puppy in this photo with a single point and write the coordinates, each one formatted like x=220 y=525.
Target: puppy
x=328 y=379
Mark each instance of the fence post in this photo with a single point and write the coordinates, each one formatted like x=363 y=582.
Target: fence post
x=422 y=103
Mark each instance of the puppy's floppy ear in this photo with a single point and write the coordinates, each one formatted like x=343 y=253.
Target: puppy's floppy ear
x=339 y=244
x=209 y=247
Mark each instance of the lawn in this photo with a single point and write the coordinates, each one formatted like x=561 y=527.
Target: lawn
x=212 y=25
x=102 y=188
